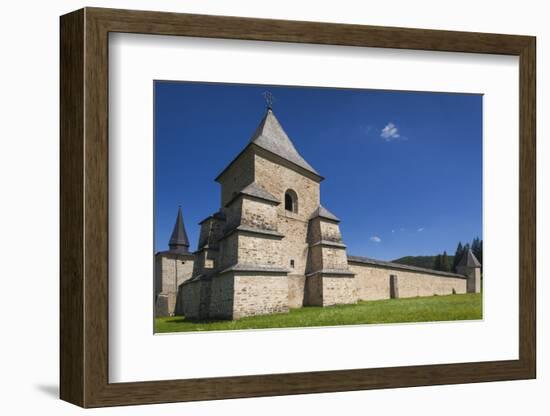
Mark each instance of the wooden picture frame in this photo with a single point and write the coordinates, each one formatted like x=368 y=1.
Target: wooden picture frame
x=84 y=207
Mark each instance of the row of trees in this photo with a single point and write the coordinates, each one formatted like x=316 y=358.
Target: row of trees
x=447 y=263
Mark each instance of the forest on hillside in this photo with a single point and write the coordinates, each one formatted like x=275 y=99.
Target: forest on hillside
x=445 y=262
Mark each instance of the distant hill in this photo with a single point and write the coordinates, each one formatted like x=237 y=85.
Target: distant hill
x=420 y=261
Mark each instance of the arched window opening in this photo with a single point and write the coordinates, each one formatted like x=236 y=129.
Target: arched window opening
x=288 y=202
x=291 y=201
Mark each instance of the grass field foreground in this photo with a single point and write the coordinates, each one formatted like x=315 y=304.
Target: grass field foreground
x=421 y=309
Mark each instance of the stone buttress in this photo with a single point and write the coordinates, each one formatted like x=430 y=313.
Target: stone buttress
x=329 y=280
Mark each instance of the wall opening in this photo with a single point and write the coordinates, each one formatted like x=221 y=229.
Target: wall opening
x=291 y=201
x=394 y=288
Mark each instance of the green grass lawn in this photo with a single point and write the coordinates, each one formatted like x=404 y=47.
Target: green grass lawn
x=422 y=309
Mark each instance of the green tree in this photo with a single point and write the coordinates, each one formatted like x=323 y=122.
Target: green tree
x=437 y=262
x=458 y=255
x=445 y=267
x=476 y=248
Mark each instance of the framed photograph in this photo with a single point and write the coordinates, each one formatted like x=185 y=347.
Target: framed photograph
x=256 y=207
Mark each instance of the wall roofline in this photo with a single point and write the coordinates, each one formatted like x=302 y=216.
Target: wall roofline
x=397 y=266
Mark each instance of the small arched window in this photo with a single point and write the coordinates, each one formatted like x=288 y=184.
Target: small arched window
x=291 y=201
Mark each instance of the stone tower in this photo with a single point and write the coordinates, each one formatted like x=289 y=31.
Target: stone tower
x=470 y=267
x=258 y=245
x=172 y=267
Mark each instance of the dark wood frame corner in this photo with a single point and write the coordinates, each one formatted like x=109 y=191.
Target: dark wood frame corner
x=84 y=207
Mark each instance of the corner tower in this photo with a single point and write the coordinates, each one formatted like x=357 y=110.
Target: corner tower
x=172 y=267
x=470 y=267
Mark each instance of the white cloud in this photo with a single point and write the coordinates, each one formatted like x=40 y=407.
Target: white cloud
x=375 y=239
x=392 y=231
x=391 y=132
x=420 y=229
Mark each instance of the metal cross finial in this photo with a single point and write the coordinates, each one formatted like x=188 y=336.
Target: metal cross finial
x=269 y=99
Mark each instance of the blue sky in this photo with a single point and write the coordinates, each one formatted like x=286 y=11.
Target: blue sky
x=403 y=170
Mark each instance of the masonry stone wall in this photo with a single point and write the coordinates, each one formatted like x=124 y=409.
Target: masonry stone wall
x=339 y=290
x=222 y=296
x=179 y=308
x=170 y=271
x=373 y=282
x=315 y=258
x=260 y=294
x=204 y=234
x=334 y=257
x=321 y=229
x=296 y=290
x=233 y=215
x=161 y=305
x=326 y=249
x=190 y=303
x=330 y=231
x=277 y=179
x=158 y=281
x=258 y=214
x=237 y=176
x=313 y=295
x=314 y=234
x=210 y=233
x=327 y=290
x=228 y=254
x=205 y=261
x=294 y=246
x=261 y=250
x=474 y=280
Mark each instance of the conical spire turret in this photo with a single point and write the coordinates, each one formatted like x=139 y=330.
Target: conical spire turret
x=179 y=241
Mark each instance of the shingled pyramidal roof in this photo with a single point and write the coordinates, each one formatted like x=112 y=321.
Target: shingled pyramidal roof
x=178 y=241
x=468 y=260
x=270 y=136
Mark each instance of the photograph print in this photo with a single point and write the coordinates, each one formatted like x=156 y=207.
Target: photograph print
x=288 y=206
